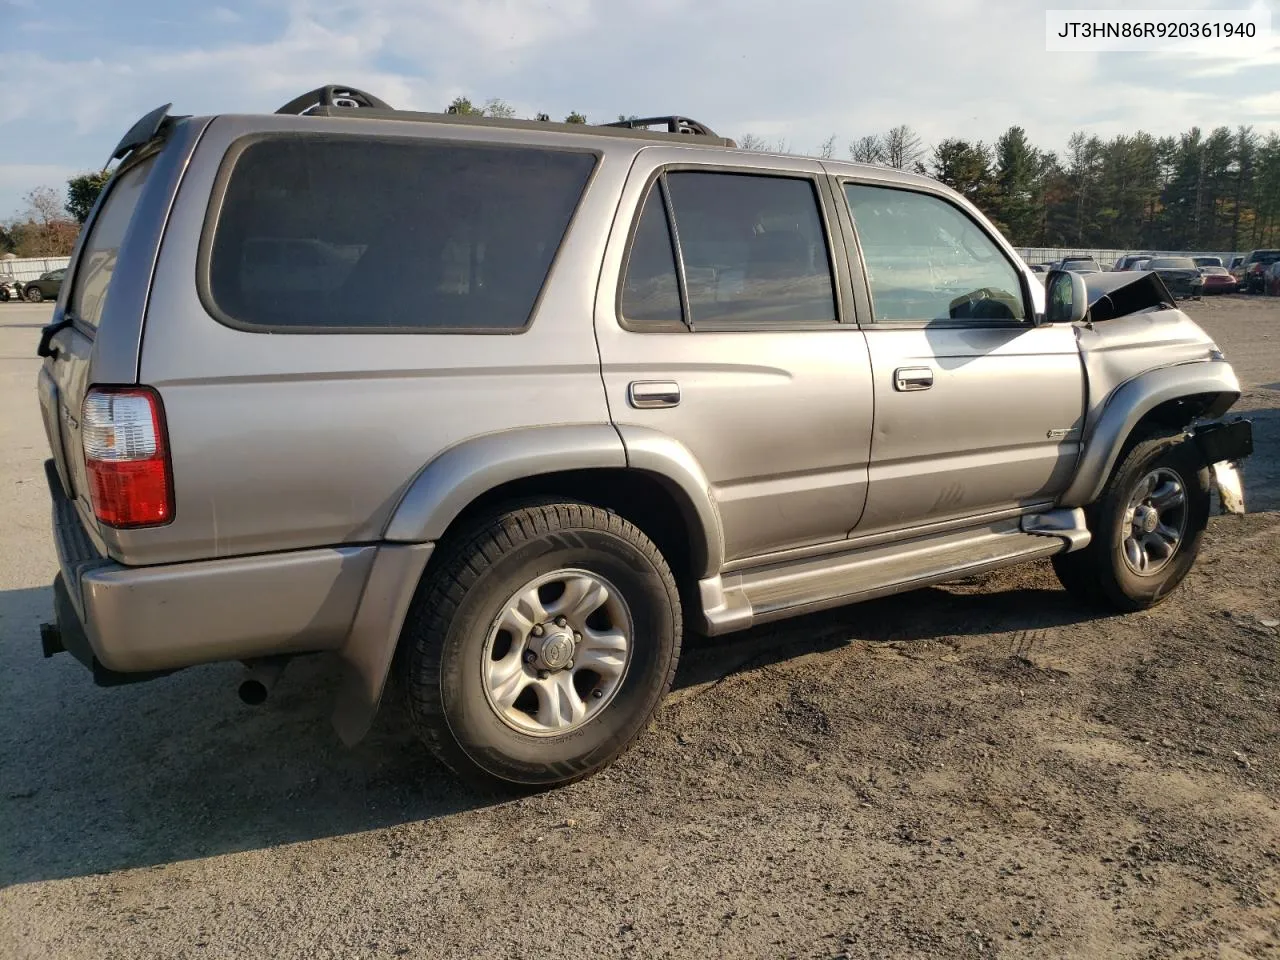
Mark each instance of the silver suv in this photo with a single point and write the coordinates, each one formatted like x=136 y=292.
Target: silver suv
x=500 y=408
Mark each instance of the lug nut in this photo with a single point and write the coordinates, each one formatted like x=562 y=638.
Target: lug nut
x=577 y=638
x=537 y=629
x=561 y=622
x=569 y=665
x=530 y=656
x=543 y=674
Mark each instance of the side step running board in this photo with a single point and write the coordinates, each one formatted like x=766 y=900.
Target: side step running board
x=744 y=599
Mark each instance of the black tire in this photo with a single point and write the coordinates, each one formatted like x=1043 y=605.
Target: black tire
x=1099 y=574
x=33 y=294
x=468 y=586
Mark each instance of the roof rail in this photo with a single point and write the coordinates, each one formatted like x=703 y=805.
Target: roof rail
x=674 y=124
x=337 y=100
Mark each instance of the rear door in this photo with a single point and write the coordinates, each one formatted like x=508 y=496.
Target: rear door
x=724 y=323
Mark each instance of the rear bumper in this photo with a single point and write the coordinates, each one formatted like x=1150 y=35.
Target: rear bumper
x=142 y=621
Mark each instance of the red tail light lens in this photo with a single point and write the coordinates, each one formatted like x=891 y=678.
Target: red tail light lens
x=127 y=457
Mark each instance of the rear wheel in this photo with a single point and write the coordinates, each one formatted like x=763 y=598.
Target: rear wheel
x=541 y=644
x=1147 y=527
x=33 y=294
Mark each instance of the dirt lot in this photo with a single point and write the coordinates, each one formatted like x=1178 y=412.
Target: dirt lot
x=971 y=771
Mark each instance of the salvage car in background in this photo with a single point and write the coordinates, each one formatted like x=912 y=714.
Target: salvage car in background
x=1254 y=269
x=46 y=287
x=1208 y=261
x=1271 y=280
x=1130 y=261
x=10 y=290
x=1219 y=280
x=1180 y=275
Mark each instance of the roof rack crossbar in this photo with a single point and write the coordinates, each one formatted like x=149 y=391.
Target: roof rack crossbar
x=674 y=124
x=333 y=95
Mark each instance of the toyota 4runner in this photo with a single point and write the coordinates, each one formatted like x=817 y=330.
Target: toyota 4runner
x=499 y=408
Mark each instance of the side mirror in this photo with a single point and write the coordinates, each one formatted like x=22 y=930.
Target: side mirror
x=1065 y=300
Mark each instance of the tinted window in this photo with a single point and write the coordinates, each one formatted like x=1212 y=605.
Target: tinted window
x=651 y=290
x=754 y=248
x=338 y=232
x=1173 y=263
x=926 y=260
x=97 y=262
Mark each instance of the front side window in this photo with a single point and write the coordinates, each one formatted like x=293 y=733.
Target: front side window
x=926 y=260
x=352 y=233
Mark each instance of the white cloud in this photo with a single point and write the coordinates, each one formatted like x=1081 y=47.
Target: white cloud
x=802 y=69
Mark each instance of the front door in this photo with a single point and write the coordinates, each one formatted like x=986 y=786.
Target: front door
x=977 y=411
x=721 y=324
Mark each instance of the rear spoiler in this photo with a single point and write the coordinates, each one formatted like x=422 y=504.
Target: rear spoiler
x=151 y=126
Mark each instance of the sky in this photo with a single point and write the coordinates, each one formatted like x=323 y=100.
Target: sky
x=75 y=74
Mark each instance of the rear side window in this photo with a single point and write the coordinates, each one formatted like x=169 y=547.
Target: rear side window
x=97 y=261
x=328 y=233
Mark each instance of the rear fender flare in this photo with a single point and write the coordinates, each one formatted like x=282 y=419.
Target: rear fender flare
x=450 y=482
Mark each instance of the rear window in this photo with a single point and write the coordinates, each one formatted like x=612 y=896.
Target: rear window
x=97 y=262
x=349 y=233
x=1173 y=263
x=1264 y=256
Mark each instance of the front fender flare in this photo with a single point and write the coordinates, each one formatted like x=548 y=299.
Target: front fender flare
x=1133 y=400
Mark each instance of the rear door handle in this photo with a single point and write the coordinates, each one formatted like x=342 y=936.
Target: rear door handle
x=912 y=378
x=647 y=394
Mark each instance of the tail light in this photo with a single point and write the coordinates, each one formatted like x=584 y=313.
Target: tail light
x=127 y=457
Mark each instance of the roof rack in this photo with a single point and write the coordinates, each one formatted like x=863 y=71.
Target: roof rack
x=333 y=95
x=338 y=100
x=673 y=124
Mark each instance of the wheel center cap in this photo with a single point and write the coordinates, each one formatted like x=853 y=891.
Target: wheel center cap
x=557 y=650
x=1147 y=519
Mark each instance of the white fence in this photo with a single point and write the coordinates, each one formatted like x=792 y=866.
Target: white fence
x=30 y=268
x=1106 y=258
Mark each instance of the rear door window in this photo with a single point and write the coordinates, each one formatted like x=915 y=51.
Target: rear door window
x=323 y=232
x=754 y=249
x=97 y=262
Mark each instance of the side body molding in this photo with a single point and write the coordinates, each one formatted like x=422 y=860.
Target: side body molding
x=1130 y=402
x=444 y=487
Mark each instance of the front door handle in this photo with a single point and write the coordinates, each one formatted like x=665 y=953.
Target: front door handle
x=647 y=394
x=912 y=378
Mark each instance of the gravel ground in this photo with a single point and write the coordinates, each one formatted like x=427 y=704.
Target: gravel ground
x=976 y=770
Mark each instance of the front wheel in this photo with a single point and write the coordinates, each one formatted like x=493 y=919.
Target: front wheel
x=33 y=294
x=540 y=644
x=1147 y=527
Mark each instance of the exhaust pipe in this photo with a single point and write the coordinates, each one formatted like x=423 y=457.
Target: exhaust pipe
x=261 y=678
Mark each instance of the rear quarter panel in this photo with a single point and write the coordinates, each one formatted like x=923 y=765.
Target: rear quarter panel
x=285 y=441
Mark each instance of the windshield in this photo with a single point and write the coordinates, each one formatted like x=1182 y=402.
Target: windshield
x=1173 y=263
